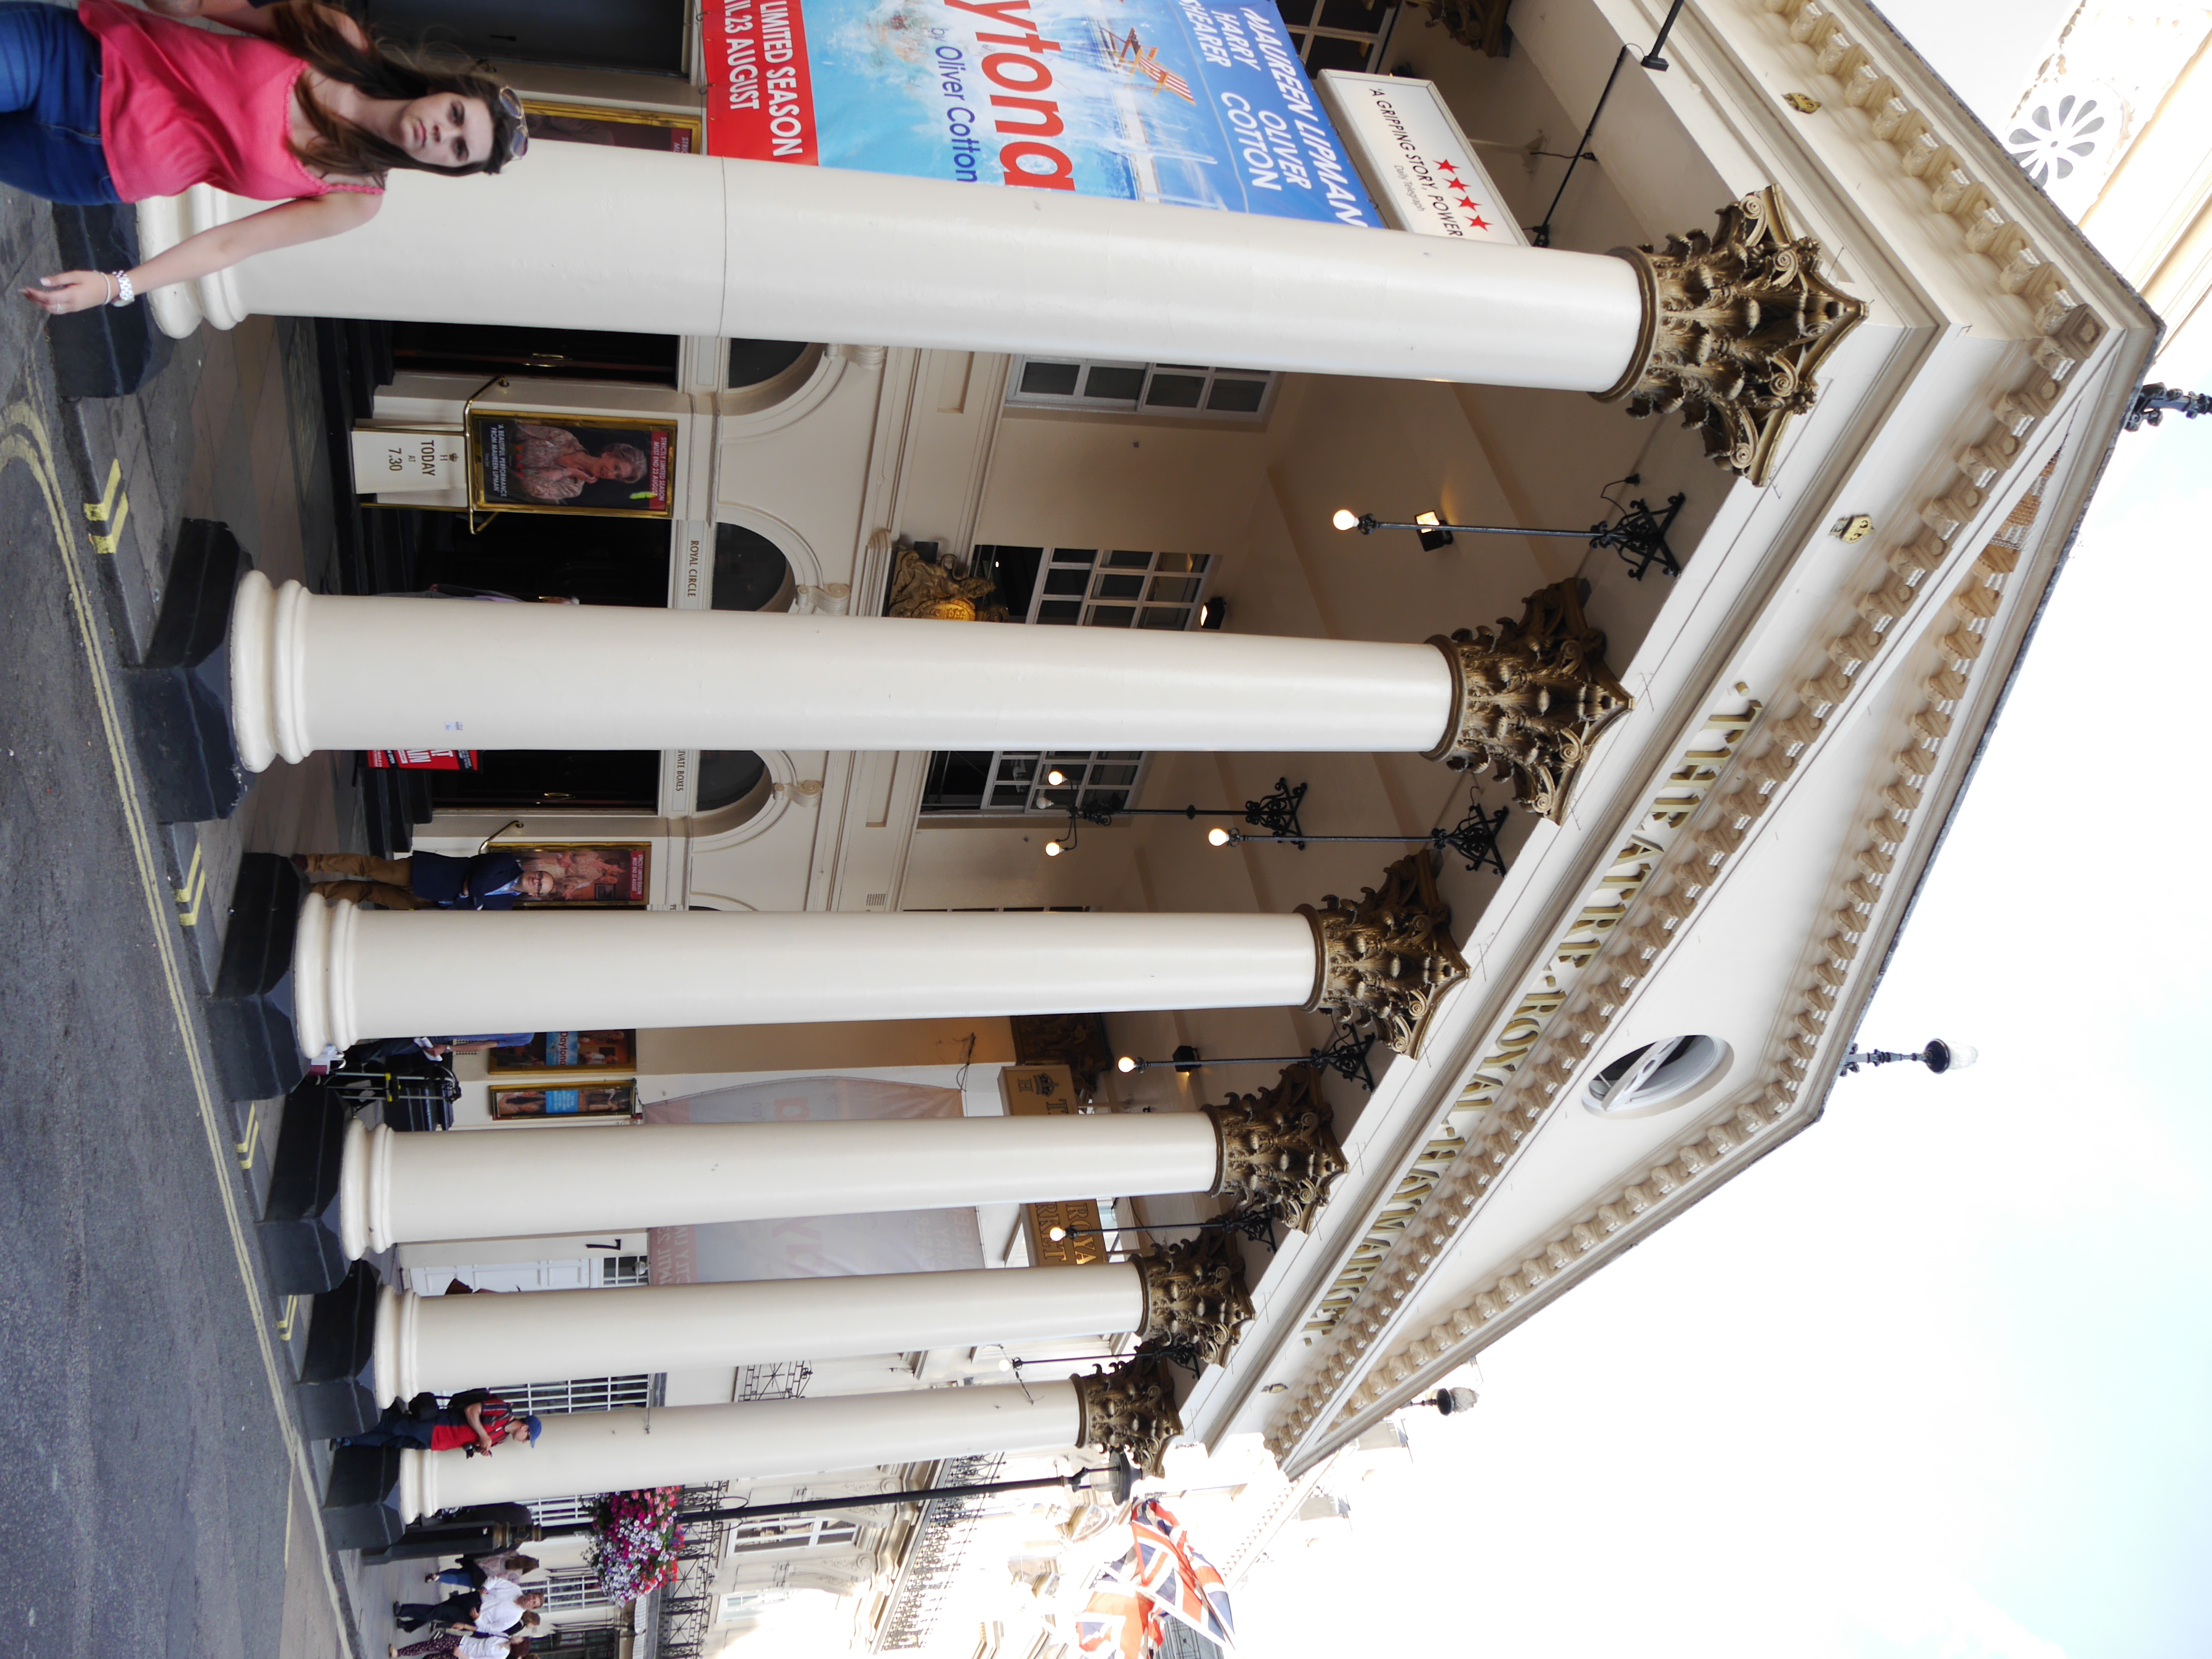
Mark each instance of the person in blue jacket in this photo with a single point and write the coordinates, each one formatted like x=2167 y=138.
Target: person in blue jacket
x=429 y=881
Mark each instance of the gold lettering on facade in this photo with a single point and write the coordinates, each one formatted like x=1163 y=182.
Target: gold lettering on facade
x=1698 y=768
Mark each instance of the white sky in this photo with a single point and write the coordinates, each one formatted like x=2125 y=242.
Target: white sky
x=1934 y=1380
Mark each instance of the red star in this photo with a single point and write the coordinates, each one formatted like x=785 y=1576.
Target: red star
x=1465 y=203
x=1480 y=222
x=1446 y=166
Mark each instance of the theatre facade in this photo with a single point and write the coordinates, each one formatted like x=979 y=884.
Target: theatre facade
x=930 y=547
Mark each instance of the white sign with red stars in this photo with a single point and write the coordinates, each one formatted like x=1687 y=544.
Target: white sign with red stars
x=1416 y=162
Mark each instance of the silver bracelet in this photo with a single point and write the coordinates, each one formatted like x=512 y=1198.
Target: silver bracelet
x=124 y=295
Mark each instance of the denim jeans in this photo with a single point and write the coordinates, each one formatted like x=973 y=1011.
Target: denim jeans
x=49 y=106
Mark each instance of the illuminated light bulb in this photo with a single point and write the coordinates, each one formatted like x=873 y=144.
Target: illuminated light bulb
x=1218 y=836
x=1346 y=519
x=1127 y=1063
x=1057 y=1234
x=1053 y=849
x=1006 y=1365
x=1426 y=518
x=1055 y=777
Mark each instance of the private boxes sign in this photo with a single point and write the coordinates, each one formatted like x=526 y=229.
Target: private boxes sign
x=1200 y=103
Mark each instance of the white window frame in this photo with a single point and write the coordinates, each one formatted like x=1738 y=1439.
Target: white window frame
x=1141 y=404
x=776 y=1533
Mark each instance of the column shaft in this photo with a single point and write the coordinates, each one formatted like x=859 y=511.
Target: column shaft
x=314 y=671
x=439 y=1342
x=408 y=973
x=761 y=249
x=407 y=1188
x=689 y=1445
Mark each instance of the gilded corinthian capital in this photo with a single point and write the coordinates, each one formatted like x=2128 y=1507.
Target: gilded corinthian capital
x=1386 y=959
x=1131 y=1408
x=1194 y=1298
x=1734 y=324
x=1529 y=699
x=1278 y=1148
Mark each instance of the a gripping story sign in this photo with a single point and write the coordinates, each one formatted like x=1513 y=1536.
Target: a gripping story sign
x=1200 y=103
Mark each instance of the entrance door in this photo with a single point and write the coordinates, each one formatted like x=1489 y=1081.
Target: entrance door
x=646 y=36
x=543 y=354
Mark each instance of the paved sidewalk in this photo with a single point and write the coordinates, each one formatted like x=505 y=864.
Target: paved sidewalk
x=160 y=1495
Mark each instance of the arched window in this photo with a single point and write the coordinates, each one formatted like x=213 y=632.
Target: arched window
x=731 y=777
x=752 y=361
x=750 y=573
x=1655 y=1077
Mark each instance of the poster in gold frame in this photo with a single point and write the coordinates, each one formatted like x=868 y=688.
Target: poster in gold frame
x=538 y=1102
x=553 y=122
x=605 y=872
x=609 y=466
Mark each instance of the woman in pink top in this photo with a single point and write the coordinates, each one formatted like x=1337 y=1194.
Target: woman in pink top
x=299 y=106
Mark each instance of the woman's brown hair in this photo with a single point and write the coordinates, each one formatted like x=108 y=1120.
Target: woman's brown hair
x=309 y=32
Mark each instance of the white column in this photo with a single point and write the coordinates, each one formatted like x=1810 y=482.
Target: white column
x=408 y=1188
x=575 y=236
x=691 y=1445
x=440 y=1342
x=362 y=973
x=314 y=671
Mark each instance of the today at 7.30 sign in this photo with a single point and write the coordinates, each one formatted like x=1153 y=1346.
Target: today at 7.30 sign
x=1199 y=103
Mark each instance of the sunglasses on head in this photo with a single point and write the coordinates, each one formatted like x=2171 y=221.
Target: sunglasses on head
x=518 y=142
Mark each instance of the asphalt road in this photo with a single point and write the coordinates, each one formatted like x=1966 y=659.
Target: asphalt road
x=148 y=1472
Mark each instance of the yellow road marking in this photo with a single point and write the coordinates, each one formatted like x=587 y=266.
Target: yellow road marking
x=194 y=888
x=253 y=1135
x=113 y=508
x=23 y=438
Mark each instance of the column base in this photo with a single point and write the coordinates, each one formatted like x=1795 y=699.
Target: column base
x=302 y=1239
x=180 y=695
x=480 y=1529
x=336 y=1390
x=250 y=1016
x=361 y=1504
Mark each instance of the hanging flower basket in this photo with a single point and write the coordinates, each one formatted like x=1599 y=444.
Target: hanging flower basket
x=635 y=1538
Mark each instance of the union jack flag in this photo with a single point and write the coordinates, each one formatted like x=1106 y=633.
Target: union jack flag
x=1176 y=1578
x=1163 y=1574
x=1118 y=1622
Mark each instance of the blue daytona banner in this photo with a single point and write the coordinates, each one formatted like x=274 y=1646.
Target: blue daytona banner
x=1201 y=103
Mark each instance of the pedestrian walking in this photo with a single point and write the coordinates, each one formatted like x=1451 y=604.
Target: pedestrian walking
x=426 y=881
x=474 y=1422
x=510 y=1564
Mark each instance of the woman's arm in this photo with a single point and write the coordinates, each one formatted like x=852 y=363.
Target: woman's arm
x=240 y=14
x=287 y=225
x=247 y=16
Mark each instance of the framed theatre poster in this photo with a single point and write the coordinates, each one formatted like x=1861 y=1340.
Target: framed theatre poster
x=618 y=129
x=522 y=1103
x=563 y=1051
x=608 y=873
x=613 y=465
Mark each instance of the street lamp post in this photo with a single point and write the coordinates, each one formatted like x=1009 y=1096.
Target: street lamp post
x=1938 y=1057
x=1475 y=838
x=1277 y=812
x=1639 y=536
x=1346 y=1055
